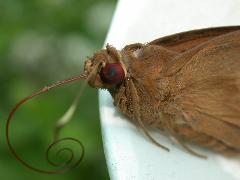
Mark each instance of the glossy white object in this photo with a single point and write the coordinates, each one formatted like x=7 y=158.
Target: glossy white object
x=129 y=154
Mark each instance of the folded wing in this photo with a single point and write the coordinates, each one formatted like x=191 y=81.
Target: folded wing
x=208 y=94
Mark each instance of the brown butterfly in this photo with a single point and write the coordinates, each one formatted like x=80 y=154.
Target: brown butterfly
x=187 y=84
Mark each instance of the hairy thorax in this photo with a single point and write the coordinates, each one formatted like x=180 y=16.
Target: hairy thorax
x=153 y=90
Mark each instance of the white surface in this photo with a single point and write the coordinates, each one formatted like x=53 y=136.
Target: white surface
x=130 y=155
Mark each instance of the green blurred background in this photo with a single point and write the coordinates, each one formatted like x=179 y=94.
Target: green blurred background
x=42 y=41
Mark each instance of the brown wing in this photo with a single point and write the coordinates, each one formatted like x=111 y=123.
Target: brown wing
x=209 y=90
x=181 y=42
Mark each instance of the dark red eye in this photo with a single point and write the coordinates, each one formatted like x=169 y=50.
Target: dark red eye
x=112 y=73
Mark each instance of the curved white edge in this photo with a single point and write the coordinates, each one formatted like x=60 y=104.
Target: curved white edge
x=129 y=154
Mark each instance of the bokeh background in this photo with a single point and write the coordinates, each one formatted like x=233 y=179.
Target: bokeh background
x=42 y=41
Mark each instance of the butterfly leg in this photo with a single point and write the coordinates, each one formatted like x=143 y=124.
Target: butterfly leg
x=188 y=149
x=137 y=113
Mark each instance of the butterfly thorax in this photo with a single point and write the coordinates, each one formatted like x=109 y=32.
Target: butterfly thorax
x=144 y=80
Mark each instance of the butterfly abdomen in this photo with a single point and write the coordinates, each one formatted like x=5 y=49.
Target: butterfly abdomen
x=187 y=133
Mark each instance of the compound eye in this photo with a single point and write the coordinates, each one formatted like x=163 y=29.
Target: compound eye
x=112 y=73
